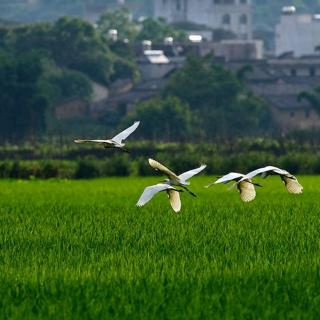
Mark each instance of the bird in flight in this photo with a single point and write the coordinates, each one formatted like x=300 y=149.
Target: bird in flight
x=173 y=195
x=116 y=141
x=291 y=182
x=175 y=180
x=169 y=185
x=244 y=185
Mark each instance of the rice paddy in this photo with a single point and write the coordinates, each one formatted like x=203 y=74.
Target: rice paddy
x=82 y=250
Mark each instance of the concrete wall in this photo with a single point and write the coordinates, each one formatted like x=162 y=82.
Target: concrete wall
x=155 y=71
x=232 y=15
x=297 y=33
x=295 y=119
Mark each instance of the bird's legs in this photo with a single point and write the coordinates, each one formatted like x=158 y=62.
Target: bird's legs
x=190 y=192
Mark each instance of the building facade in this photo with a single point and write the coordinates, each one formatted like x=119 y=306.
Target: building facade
x=229 y=15
x=297 y=33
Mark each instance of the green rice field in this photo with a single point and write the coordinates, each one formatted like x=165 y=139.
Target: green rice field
x=82 y=250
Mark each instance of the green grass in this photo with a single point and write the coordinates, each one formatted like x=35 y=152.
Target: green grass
x=81 y=250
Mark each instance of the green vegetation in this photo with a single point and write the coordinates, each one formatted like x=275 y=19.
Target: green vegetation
x=242 y=155
x=43 y=64
x=210 y=100
x=22 y=106
x=166 y=119
x=81 y=250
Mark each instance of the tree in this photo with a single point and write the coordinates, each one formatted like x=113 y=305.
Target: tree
x=157 y=30
x=22 y=108
x=67 y=83
x=119 y=20
x=71 y=42
x=221 y=103
x=312 y=98
x=165 y=119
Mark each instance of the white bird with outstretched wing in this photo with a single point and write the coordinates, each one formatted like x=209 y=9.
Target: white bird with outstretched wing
x=116 y=141
x=174 y=179
x=189 y=174
x=290 y=181
x=246 y=187
x=150 y=192
x=126 y=133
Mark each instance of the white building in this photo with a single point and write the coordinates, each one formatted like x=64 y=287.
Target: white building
x=296 y=33
x=231 y=15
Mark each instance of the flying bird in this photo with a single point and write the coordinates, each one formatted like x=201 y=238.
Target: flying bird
x=175 y=180
x=150 y=192
x=116 y=141
x=290 y=181
x=244 y=185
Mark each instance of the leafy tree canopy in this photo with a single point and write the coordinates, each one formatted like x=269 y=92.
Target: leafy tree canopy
x=220 y=101
x=166 y=119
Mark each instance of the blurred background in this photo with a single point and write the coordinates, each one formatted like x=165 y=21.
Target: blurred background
x=233 y=83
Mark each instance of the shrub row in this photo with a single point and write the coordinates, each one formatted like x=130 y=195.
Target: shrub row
x=138 y=149
x=123 y=165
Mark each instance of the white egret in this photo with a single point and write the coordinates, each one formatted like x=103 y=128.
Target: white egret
x=150 y=192
x=175 y=180
x=116 y=141
x=290 y=181
x=245 y=187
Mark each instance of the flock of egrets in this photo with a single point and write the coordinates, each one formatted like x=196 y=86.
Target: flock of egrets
x=174 y=184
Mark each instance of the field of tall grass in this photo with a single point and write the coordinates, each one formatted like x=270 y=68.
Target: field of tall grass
x=82 y=250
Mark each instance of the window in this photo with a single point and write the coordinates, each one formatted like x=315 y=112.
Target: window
x=223 y=1
x=293 y=72
x=243 y=1
x=226 y=19
x=307 y=113
x=178 y=5
x=243 y=19
x=292 y=114
x=312 y=72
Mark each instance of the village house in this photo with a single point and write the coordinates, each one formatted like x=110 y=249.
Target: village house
x=228 y=15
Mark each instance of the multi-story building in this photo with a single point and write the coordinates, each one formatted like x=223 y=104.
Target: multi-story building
x=297 y=33
x=229 y=15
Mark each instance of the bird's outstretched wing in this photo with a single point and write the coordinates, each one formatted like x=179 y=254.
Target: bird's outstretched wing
x=150 y=192
x=247 y=191
x=174 y=198
x=189 y=174
x=78 y=141
x=292 y=185
x=158 y=166
x=126 y=133
x=264 y=172
x=232 y=176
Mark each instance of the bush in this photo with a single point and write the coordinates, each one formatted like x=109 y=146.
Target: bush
x=86 y=169
x=91 y=162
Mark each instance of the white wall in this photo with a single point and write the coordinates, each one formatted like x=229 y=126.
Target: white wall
x=297 y=33
x=208 y=13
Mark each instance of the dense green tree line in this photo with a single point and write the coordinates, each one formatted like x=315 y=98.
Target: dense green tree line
x=45 y=63
x=22 y=107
